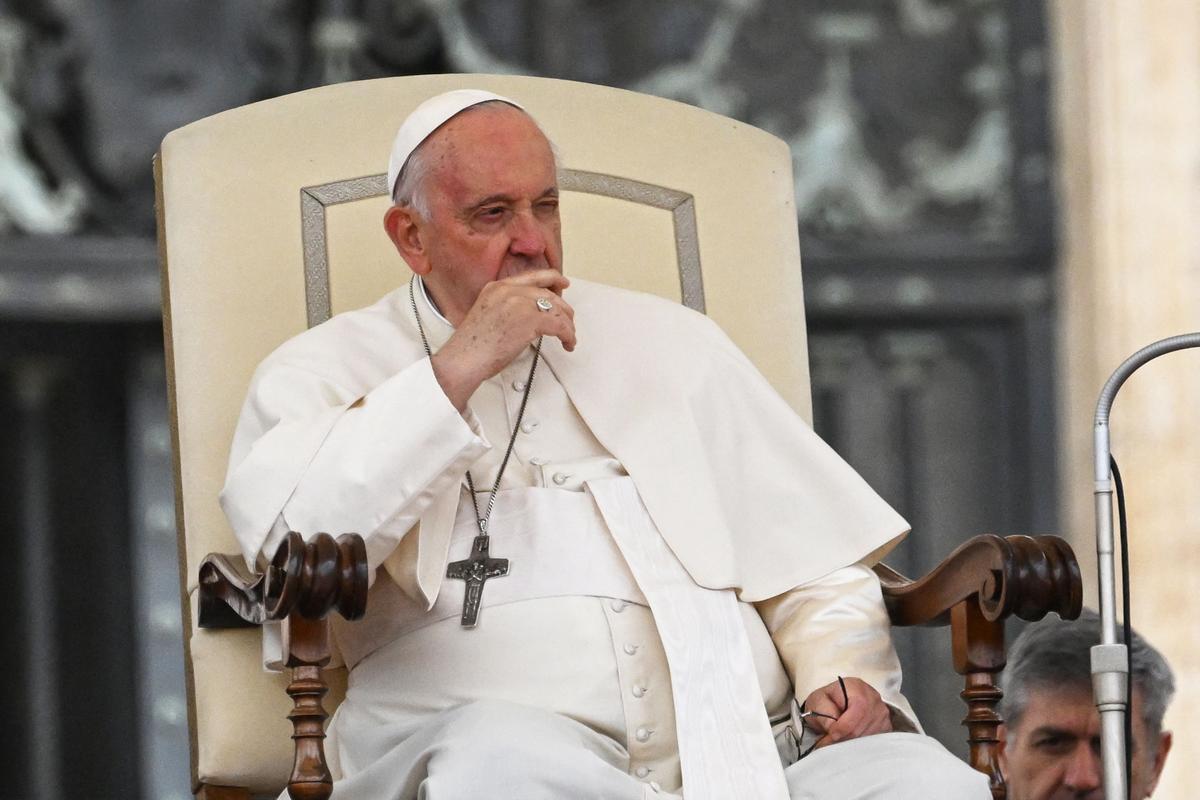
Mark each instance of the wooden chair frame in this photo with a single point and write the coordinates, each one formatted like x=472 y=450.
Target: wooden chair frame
x=974 y=590
x=981 y=584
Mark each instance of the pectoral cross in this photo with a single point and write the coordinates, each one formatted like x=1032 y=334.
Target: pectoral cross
x=475 y=571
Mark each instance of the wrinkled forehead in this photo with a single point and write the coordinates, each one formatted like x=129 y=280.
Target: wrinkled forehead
x=492 y=149
x=483 y=125
x=1069 y=708
x=427 y=117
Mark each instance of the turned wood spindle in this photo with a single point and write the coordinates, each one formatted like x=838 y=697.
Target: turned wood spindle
x=978 y=646
x=307 y=645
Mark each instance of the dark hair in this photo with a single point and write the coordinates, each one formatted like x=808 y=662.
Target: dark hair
x=1055 y=653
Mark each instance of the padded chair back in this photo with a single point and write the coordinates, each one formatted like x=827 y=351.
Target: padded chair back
x=270 y=219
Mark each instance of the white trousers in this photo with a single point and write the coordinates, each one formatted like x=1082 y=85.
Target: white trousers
x=493 y=750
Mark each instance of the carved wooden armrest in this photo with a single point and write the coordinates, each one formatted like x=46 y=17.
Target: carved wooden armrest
x=982 y=583
x=303 y=583
x=310 y=578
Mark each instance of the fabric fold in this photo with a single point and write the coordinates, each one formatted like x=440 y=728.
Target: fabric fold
x=726 y=748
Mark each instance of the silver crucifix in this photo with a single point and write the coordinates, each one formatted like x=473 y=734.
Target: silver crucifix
x=475 y=571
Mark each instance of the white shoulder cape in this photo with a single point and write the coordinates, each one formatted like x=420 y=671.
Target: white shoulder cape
x=744 y=492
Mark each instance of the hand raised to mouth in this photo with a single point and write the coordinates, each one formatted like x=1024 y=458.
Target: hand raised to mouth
x=507 y=317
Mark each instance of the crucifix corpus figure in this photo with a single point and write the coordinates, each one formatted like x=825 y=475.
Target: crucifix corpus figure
x=474 y=572
x=694 y=614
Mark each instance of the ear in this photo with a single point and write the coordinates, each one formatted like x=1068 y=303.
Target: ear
x=405 y=228
x=1160 y=759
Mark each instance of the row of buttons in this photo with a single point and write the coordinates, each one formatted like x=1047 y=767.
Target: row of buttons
x=559 y=478
x=643 y=733
x=638 y=690
x=642 y=772
x=528 y=427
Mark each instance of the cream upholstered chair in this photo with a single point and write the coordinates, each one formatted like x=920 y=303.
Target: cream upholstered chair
x=270 y=220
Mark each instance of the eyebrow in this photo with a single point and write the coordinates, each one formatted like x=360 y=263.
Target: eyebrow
x=1063 y=733
x=1050 y=730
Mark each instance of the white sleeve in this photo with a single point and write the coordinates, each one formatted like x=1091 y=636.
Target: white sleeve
x=311 y=456
x=838 y=625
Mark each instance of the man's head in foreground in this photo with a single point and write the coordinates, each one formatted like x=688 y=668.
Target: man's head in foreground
x=476 y=198
x=1051 y=739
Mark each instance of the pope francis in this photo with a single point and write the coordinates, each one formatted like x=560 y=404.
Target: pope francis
x=608 y=560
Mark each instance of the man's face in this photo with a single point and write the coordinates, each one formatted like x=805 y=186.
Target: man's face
x=1053 y=753
x=492 y=193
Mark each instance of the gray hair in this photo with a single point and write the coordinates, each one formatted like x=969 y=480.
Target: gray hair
x=1055 y=654
x=410 y=183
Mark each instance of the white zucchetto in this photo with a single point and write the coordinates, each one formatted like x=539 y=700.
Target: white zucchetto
x=428 y=117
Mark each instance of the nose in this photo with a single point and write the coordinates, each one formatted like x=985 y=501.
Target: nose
x=1083 y=771
x=529 y=238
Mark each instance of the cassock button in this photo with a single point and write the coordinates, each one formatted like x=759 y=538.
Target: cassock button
x=639 y=690
x=642 y=772
x=560 y=478
x=529 y=427
x=537 y=461
x=642 y=734
x=630 y=649
x=518 y=386
x=618 y=605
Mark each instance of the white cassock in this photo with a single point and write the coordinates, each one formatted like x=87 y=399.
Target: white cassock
x=655 y=468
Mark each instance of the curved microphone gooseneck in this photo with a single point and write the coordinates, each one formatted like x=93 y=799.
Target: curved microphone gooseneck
x=1110 y=658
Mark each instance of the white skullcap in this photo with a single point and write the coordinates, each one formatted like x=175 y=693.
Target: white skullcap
x=428 y=117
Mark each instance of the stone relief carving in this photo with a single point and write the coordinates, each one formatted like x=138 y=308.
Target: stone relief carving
x=701 y=79
x=980 y=170
x=846 y=184
x=899 y=113
x=103 y=81
x=29 y=203
x=839 y=186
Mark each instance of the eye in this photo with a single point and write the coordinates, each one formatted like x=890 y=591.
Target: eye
x=491 y=215
x=548 y=206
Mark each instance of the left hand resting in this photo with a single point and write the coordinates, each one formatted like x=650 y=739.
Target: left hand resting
x=865 y=715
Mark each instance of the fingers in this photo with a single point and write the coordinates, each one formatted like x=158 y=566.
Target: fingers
x=508 y=315
x=866 y=714
x=825 y=702
x=557 y=321
x=850 y=725
x=550 y=279
x=559 y=304
x=560 y=323
x=826 y=705
x=528 y=287
x=504 y=320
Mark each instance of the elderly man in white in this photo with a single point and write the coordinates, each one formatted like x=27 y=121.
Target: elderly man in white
x=608 y=560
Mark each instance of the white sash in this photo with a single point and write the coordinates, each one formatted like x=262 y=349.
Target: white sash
x=726 y=749
x=557 y=545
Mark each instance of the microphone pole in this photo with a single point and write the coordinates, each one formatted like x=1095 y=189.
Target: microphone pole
x=1110 y=658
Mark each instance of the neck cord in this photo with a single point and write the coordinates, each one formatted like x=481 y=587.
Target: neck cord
x=482 y=520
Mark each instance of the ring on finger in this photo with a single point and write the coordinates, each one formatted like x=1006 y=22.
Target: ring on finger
x=544 y=304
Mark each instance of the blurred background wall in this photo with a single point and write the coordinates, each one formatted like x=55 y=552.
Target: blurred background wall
x=1127 y=113
x=961 y=319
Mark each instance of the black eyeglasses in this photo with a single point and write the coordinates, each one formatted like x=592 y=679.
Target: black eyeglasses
x=801 y=714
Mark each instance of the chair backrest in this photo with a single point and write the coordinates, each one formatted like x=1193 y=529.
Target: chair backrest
x=270 y=219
